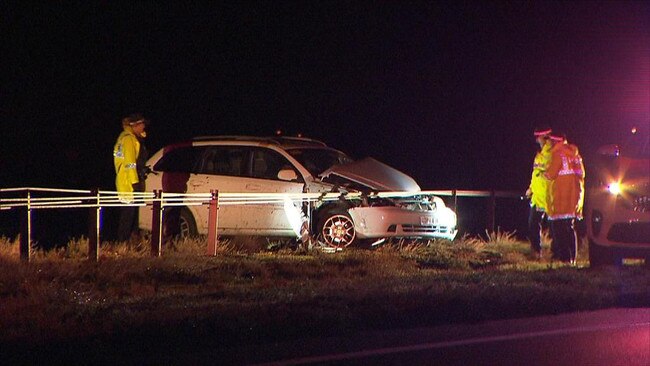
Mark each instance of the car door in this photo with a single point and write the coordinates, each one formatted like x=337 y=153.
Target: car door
x=220 y=168
x=171 y=169
x=268 y=218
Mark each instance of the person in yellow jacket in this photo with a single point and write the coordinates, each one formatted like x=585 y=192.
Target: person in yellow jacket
x=566 y=176
x=129 y=158
x=536 y=191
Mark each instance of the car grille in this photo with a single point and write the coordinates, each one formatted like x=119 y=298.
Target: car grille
x=641 y=204
x=425 y=229
x=633 y=233
x=638 y=199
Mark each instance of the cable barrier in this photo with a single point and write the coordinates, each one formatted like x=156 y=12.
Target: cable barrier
x=27 y=199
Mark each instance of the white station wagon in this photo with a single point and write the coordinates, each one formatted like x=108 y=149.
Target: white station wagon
x=243 y=164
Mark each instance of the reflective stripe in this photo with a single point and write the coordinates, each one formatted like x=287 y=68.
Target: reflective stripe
x=125 y=198
x=130 y=166
x=562 y=216
x=570 y=171
x=118 y=153
x=567 y=169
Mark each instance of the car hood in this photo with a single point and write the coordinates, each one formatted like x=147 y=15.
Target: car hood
x=374 y=175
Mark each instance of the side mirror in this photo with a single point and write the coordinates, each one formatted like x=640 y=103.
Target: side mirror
x=287 y=175
x=609 y=150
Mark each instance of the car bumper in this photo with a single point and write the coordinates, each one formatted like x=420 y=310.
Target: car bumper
x=383 y=222
x=612 y=225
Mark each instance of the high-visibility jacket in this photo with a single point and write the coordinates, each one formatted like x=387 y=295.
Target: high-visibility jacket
x=125 y=157
x=538 y=183
x=566 y=174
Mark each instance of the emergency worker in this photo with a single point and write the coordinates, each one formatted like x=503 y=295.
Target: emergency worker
x=566 y=175
x=536 y=191
x=129 y=158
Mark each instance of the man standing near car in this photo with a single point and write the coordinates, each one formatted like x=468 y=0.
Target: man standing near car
x=536 y=191
x=129 y=158
x=566 y=175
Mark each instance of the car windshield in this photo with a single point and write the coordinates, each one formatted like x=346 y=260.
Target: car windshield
x=317 y=160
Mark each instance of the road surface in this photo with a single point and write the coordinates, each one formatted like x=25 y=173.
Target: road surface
x=605 y=337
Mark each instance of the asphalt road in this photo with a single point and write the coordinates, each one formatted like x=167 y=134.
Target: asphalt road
x=605 y=337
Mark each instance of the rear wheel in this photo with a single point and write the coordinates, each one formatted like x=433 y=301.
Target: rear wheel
x=336 y=229
x=187 y=224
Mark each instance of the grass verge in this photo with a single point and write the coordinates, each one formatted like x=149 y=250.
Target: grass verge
x=242 y=296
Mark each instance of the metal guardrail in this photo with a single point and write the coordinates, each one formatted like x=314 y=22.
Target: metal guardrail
x=36 y=198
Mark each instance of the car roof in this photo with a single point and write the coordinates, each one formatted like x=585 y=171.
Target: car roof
x=284 y=141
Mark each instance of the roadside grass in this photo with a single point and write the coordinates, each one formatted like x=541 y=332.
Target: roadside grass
x=263 y=291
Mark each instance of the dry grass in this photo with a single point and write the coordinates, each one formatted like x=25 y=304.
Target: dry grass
x=252 y=292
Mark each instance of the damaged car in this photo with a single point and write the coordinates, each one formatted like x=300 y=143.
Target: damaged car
x=373 y=200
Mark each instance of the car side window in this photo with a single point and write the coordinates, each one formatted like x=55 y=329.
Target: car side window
x=223 y=160
x=180 y=160
x=266 y=164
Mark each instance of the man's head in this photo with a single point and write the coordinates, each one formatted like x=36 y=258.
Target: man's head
x=137 y=123
x=542 y=135
x=557 y=137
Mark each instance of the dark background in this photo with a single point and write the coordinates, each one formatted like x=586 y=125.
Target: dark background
x=448 y=92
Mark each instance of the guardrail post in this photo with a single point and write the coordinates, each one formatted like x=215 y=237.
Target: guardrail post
x=212 y=223
x=94 y=224
x=454 y=198
x=156 y=224
x=25 y=246
x=491 y=210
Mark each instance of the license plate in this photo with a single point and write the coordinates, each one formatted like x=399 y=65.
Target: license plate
x=428 y=220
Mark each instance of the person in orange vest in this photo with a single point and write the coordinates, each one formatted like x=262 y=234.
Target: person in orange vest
x=565 y=198
x=536 y=191
x=129 y=158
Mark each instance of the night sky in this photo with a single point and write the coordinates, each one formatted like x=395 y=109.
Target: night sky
x=448 y=92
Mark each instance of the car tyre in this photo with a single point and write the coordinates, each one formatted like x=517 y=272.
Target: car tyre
x=187 y=224
x=336 y=229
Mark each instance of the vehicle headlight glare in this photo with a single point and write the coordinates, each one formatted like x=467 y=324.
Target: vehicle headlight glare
x=447 y=217
x=614 y=188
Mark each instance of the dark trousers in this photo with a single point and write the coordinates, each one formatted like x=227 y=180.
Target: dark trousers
x=171 y=225
x=128 y=223
x=535 y=229
x=565 y=241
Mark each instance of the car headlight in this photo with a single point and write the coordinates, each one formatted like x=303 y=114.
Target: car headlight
x=615 y=188
x=447 y=217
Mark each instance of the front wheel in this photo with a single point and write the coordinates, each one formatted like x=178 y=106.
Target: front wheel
x=336 y=229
